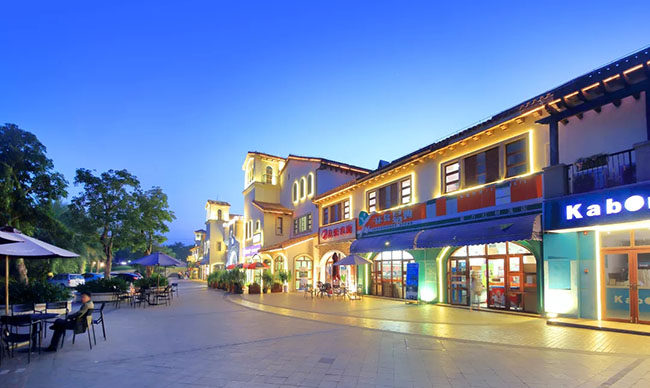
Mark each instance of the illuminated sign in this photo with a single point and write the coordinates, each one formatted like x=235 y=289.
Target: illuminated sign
x=252 y=250
x=340 y=231
x=625 y=204
x=392 y=219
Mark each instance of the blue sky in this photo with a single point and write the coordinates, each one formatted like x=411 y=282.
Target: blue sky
x=177 y=92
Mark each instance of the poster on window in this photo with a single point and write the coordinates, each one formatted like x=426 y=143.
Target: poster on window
x=412 y=274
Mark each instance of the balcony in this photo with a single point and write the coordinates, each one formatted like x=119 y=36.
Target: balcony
x=602 y=171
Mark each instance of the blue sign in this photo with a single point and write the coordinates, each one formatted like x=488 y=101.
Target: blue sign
x=412 y=279
x=610 y=206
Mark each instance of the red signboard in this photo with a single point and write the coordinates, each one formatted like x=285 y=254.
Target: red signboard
x=392 y=219
x=340 y=231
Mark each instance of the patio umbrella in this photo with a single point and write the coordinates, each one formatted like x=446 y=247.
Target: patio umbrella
x=158 y=259
x=28 y=248
x=352 y=260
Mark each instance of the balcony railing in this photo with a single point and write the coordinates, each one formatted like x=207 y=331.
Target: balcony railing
x=602 y=171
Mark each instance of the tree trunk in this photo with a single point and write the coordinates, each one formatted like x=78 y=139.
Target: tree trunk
x=22 y=271
x=108 y=250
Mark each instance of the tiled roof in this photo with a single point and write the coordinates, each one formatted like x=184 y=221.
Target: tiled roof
x=272 y=207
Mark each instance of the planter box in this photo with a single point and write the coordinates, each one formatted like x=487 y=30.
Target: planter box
x=254 y=289
x=277 y=287
x=98 y=297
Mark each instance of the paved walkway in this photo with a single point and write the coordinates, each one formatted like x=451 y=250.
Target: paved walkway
x=445 y=322
x=205 y=340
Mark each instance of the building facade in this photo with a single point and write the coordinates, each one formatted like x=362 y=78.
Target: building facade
x=280 y=219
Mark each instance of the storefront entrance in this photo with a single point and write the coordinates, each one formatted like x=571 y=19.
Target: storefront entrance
x=507 y=274
x=389 y=273
x=626 y=275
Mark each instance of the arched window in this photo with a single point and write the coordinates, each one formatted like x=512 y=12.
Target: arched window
x=310 y=184
x=279 y=264
x=258 y=225
x=303 y=192
x=268 y=177
x=304 y=272
x=250 y=171
x=219 y=214
x=294 y=193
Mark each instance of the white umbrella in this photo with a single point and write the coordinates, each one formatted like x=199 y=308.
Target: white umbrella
x=26 y=247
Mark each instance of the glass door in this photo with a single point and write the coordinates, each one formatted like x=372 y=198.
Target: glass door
x=386 y=283
x=458 y=277
x=617 y=286
x=643 y=286
x=496 y=283
x=515 y=286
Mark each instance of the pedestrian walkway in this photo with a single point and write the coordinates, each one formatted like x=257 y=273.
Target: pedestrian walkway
x=445 y=322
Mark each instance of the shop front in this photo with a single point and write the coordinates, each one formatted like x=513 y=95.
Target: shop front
x=334 y=245
x=597 y=254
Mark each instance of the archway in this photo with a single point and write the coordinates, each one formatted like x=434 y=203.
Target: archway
x=327 y=270
x=304 y=271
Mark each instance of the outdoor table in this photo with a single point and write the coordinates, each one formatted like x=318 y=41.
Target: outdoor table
x=37 y=317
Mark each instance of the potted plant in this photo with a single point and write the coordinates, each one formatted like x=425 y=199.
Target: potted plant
x=285 y=276
x=236 y=280
x=254 y=288
x=267 y=280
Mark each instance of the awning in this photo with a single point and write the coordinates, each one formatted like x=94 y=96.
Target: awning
x=389 y=242
x=205 y=261
x=526 y=227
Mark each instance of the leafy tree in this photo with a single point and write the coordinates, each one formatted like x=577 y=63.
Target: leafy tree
x=105 y=208
x=28 y=184
x=150 y=219
x=180 y=250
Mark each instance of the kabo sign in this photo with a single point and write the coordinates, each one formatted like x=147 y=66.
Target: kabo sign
x=626 y=204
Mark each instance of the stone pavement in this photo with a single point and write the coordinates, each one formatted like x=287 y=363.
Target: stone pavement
x=205 y=340
x=445 y=322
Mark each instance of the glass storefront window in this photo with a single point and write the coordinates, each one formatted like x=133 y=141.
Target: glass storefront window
x=642 y=237
x=615 y=238
x=461 y=252
x=496 y=249
x=389 y=272
x=516 y=248
x=476 y=250
x=304 y=272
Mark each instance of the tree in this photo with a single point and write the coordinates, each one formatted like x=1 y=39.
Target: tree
x=105 y=208
x=28 y=184
x=150 y=219
x=180 y=250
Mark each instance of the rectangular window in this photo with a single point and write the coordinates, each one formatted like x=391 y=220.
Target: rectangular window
x=452 y=177
x=482 y=168
x=218 y=246
x=389 y=196
x=372 y=201
x=406 y=191
x=336 y=212
x=302 y=224
x=517 y=157
x=278 y=226
x=485 y=166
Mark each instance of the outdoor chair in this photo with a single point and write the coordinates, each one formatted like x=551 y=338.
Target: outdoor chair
x=98 y=318
x=18 y=329
x=27 y=308
x=174 y=290
x=309 y=291
x=55 y=307
x=140 y=298
x=84 y=322
x=163 y=296
x=119 y=297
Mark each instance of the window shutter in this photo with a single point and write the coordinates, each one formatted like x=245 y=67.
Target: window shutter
x=492 y=165
x=470 y=171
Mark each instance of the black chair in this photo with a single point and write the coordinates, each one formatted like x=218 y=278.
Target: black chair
x=163 y=296
x=98 y=318
x=140 y=298
x=27 y=308
x=174 y=290
x=13 y=333
x=55 y=307
x=120 y=296
x=84 y=323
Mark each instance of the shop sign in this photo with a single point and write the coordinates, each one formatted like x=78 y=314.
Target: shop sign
x=257 y=238
x=392 y=219
x=412 y=274
x=337 y=232
x=612 y=206
x=252 y=250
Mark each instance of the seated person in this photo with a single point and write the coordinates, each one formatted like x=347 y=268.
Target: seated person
x=72 y=322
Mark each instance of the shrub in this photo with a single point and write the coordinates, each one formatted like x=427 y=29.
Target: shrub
x=36 y=292
x=284 y=276
x=267 y=279
x=213 y=279
x=104 y=285
x=154 y=280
